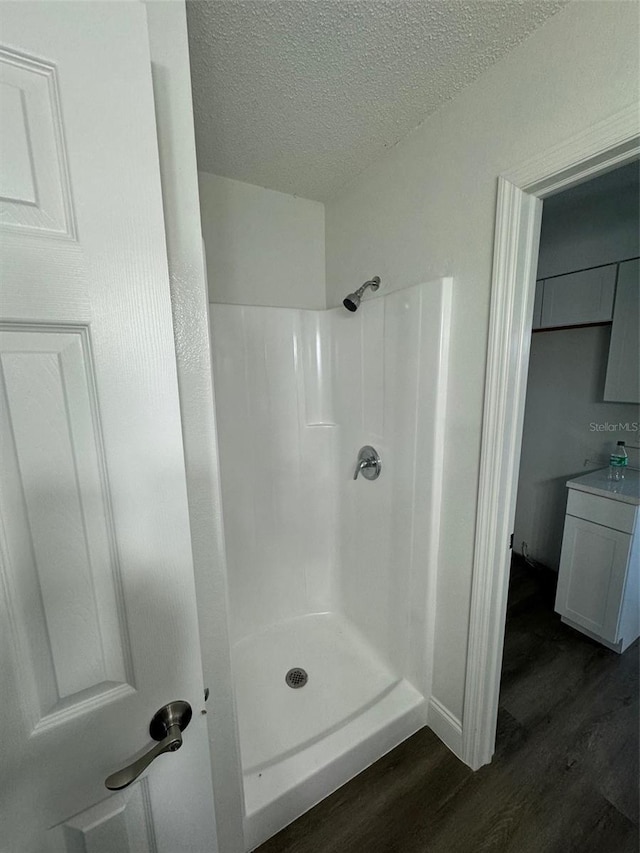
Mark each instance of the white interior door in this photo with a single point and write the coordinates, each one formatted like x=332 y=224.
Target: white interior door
x=97 y=604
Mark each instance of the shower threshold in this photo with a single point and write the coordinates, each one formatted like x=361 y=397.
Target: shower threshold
x=299 y=745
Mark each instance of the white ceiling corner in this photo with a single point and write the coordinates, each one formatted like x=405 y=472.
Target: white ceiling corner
x=301 y=95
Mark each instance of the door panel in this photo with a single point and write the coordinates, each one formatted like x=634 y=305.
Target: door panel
x=580 y=297
x=69 y=593
x=592 y=575
x=97 y=605
x=35 y=190
x=121 y=824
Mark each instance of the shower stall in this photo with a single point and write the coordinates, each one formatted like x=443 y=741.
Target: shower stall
x=331 y=575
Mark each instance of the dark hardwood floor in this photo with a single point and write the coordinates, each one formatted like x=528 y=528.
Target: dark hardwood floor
x=564 y=777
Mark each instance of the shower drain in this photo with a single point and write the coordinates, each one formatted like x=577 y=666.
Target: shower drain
x=296 y=677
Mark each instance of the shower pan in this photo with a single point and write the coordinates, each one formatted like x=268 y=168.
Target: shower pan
x=331 y=577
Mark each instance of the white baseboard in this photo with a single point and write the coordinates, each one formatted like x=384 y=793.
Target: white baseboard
x=446 y=726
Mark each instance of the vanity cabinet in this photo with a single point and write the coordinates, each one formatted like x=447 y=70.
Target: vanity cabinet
x=575 y=299
x=598 y=580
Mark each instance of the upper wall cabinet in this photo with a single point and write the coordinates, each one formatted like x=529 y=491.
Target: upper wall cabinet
x=623 y=367
x=576 y=298
x=537 y=305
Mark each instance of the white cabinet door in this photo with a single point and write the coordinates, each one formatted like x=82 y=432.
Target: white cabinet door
x=592 y=574
x=97 y=604
x=623 y=366
x=579 y=298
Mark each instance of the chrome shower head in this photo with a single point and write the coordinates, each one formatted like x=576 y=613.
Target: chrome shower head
x=352 y=301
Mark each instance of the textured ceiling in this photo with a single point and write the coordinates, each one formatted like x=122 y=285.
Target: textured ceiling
x=301 y=95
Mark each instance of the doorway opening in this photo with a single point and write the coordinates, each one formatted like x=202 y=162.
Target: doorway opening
x=572 y=599
x=580 y=399
x=602 y=148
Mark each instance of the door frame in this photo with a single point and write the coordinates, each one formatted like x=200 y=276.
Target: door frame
x=594 y=151
x=169 y=48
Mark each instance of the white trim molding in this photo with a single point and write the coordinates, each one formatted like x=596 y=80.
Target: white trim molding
x=592 y=152
x=515 y=255
x=598 y=149
x=445 y=725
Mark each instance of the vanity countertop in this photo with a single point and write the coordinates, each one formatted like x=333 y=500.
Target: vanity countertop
x=598 y=483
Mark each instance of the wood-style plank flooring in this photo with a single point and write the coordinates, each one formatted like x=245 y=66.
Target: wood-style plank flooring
x=564 y=777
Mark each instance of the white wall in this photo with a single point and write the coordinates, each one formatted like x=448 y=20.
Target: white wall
x=592 y=224
x=564 y=399
x=427 y=209
x=263 y=247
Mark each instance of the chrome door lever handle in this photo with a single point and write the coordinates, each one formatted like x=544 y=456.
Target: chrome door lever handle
x=130 y=773
x=166 y=727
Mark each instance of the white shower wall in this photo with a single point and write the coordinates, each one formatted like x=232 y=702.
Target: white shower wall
x=389 y=386
x=298 y=393
x=278 y=449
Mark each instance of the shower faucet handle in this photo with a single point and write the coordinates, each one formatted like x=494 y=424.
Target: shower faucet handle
x=362 y=464
x=368 y=463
